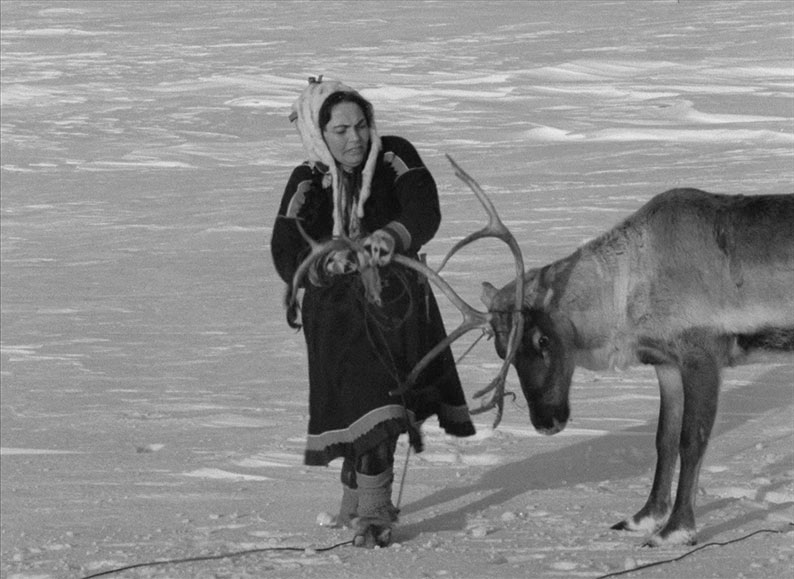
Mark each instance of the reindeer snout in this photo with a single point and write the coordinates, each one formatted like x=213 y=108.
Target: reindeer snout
x=550 y=422
x=556 y=427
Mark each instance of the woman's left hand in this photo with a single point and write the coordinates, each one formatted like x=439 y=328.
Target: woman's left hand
x=379 y=247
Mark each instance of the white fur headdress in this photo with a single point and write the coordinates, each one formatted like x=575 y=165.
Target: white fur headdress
x=306 y=113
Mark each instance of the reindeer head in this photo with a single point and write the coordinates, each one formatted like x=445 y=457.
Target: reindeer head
x=544 y=357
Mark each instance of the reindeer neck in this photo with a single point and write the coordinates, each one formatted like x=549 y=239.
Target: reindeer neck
x=592 y=290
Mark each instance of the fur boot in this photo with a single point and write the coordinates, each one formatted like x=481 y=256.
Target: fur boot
x=376 y=512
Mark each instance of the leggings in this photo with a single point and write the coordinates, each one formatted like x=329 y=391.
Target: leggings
x=371 y=462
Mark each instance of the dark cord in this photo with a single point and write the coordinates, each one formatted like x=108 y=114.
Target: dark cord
x=211 y=558
x=323 y=549
x=688 y=553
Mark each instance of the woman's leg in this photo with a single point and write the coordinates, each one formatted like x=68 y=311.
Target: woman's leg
x=376 y=512
x=377 y=460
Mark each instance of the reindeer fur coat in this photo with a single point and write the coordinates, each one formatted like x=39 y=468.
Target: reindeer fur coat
x=358 y=352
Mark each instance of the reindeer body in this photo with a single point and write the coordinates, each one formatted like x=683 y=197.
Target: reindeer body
x=687 y=259
x=690 y=283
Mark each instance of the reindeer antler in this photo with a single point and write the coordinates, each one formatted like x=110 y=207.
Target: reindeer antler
x=472 y=318
x=495 y=228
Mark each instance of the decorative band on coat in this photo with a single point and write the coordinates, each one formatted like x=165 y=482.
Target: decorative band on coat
x=317 y=442
x=298 y=198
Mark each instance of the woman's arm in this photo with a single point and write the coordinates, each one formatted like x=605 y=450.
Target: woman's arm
x=415 y=189
x=287 y=246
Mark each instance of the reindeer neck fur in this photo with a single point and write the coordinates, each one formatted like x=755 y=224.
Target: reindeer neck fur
x=590 y=289
x=687 y=260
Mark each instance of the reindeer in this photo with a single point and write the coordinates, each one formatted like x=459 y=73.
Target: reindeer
x=690 y=283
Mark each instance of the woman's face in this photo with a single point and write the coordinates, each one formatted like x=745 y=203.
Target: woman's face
x=347 y=135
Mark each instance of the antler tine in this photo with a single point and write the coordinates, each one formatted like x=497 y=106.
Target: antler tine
x=472 y=318
x=497 y=385
x=497 y=402
x=318 y=251
x=495 y=228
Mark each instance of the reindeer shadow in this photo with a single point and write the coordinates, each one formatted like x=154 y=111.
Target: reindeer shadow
x=589 y=461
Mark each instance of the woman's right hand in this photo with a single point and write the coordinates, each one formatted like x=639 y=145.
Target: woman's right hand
x=337 y=262
x=340 y=262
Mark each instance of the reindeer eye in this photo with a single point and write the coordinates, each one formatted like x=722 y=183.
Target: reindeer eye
x=540 y=341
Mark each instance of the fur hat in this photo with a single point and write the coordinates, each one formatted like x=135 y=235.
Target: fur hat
x=306 y=111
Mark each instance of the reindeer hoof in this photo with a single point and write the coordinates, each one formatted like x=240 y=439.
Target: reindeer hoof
x=681 y=537
x=621 y=526
x=642 y=523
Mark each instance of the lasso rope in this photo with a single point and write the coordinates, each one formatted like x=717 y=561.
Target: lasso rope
x=212 y=558
x=695 y=550
x=337 y=545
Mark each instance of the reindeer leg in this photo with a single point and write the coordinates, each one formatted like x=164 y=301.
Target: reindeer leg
x=668 y=433
x=700 y=375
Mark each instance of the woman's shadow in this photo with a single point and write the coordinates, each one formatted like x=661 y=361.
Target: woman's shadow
x=591 y=460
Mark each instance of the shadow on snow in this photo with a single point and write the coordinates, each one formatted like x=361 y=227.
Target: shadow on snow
x=592 y=461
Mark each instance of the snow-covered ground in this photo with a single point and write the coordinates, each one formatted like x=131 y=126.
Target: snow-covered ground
x=153 y=398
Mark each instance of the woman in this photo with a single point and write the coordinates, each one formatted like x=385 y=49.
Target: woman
x=379 y=193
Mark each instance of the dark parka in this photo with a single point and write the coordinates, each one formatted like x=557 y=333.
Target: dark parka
x=358 y=352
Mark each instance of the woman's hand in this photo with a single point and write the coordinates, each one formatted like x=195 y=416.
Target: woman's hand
x=340 y=262
x=336 y=262
x=379 y=247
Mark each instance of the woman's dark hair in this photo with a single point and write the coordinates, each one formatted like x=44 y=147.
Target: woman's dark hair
x=344 y=97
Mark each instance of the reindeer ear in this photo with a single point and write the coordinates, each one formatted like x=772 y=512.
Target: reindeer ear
x=488 y=293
